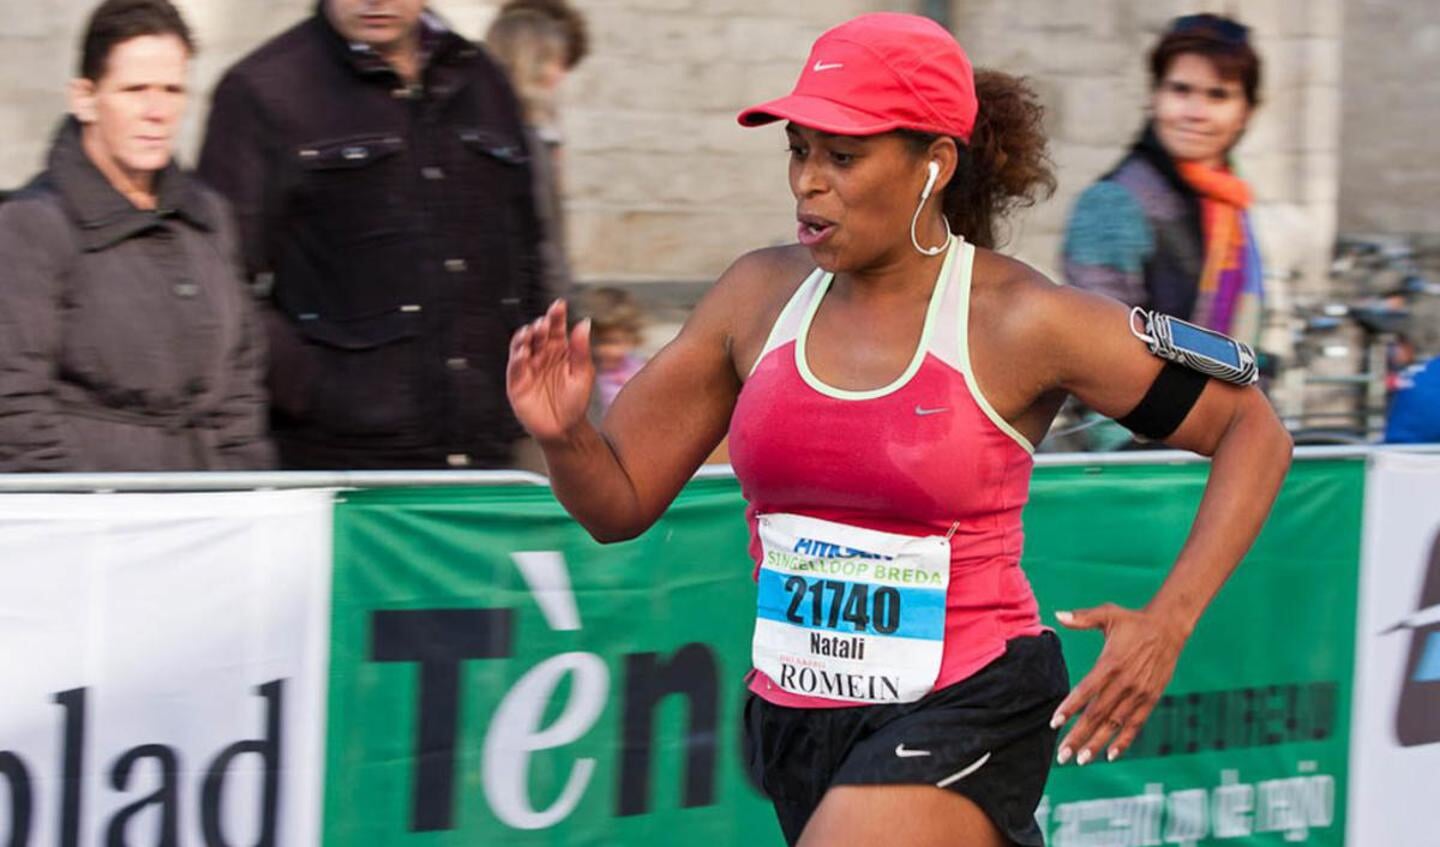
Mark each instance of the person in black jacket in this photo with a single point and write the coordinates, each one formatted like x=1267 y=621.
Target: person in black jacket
x=128 y=341
x=377 y=165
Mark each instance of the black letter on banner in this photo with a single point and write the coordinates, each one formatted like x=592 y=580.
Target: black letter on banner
x=13 y=769
x=1322 y=697
x=692 y=672
x=439 y=639
x=212 y=816
x=72 y=760
x=167 y=795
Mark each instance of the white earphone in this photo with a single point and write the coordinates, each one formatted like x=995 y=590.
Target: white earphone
x=925 y=195
x=930 y=182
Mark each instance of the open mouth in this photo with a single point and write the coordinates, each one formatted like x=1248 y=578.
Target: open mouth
x=813 y=230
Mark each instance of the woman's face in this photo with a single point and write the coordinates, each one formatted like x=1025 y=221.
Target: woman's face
x=854 y=195
x=1198 y=115
x=132 y=113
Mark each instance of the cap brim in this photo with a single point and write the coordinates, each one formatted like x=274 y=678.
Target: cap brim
x=816 y=113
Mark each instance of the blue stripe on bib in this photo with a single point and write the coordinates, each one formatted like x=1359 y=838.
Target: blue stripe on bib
x=887 y=611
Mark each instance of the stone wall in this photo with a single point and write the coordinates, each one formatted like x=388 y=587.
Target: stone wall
x=1390 y=164
x=663 y=184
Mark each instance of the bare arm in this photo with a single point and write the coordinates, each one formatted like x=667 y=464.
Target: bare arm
x=617 y=480
x=1096 y=358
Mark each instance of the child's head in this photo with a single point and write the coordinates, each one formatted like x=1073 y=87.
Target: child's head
x=616 y=324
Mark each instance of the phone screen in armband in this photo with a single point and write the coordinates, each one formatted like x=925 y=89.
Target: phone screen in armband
x=1210 y=345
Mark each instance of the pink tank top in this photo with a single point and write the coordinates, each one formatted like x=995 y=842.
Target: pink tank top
x=923 y=456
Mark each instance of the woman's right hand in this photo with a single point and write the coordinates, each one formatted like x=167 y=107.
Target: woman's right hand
x=550 y=375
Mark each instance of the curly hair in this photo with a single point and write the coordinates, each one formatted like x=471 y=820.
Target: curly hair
x=1005 y=166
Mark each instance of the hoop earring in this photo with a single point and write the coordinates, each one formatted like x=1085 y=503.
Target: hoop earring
x=926 y=251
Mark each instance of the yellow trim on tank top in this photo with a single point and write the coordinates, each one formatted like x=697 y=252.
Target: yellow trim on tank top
x=967 y=371
x=936 y=295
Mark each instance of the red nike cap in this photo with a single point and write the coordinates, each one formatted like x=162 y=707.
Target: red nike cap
x=877 y=73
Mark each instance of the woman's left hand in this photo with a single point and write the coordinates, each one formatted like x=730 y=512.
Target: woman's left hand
x=1141 y=648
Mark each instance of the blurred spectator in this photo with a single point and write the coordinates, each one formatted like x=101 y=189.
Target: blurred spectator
x=127 y=338
x=377 y=164
x=617 y=325
x=1169 y=227
x=538 y=42
x=577 y=32
x=1414 y=414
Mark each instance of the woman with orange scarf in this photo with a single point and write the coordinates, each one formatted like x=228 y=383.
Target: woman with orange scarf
x=1169 y=227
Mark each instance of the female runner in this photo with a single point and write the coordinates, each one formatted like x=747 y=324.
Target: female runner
x=883 y=382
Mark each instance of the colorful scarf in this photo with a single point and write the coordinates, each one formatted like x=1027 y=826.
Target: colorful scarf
x=1231 y=293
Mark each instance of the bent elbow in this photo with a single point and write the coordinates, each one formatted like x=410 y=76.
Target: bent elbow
x=1279 y=444
x=614 y=533
x=1286 y=444
x=1282 y=443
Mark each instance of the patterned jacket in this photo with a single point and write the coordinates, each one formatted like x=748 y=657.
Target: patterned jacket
x=1136 y=236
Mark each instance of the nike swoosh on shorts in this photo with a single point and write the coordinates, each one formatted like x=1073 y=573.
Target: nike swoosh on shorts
x=964 y=772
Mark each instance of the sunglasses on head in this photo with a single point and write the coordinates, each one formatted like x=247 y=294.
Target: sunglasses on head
x=1225 y=29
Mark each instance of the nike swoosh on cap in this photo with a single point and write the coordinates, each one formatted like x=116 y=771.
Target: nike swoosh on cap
x=821 y=66
x=903 y=753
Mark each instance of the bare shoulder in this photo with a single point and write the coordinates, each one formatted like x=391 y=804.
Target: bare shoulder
x=1019 y=301
x=746 y=300
x=762 y=276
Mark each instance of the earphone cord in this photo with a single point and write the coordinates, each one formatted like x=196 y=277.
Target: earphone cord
x=925 y=251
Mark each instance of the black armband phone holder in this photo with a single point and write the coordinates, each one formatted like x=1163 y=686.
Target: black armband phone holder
x=1165 y=406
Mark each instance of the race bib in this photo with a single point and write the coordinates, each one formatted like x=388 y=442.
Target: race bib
x=846 y=613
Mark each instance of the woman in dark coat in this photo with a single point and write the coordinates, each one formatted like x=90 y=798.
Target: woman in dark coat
x=127 y=338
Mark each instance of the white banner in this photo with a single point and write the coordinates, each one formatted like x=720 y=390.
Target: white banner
x=1395 y=729
x=163 y=661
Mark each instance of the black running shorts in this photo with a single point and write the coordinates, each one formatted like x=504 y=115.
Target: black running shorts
x=987 y=737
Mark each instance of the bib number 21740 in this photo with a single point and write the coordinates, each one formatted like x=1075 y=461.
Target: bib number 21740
x=849 y=613
x=836 y=604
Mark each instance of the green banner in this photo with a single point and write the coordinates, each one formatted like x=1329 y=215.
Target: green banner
x=1252 y=739
x=498 y=677
x=462 y=713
